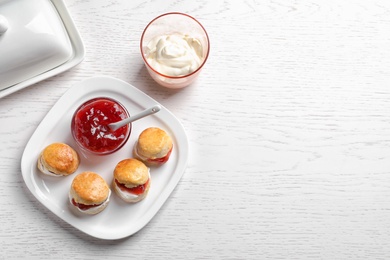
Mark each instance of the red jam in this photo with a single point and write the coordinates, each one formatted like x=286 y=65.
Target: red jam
x=83 y=206
x=136 y=190
x=90 y=126
x=161 y=160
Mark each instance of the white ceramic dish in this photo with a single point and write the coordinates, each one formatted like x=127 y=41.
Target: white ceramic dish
x=54 y=46
x=119 y=219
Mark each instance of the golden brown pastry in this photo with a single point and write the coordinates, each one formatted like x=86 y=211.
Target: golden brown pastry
x=89 y=193
x=154 y=146
x=131 y=180
x=58 y=159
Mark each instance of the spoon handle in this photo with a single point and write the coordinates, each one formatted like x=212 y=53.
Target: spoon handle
x=146 y=112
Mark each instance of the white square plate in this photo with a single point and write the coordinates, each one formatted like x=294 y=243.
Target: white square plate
x=119 y=219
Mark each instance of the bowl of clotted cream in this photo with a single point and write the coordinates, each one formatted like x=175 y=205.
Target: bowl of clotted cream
x=174 y=47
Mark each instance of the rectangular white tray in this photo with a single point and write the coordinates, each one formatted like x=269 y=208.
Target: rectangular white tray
x=77 y=57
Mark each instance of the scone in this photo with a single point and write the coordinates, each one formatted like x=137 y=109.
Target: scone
x=131 y=180
x=154 y=146
x=89 y=193
x=58 y=159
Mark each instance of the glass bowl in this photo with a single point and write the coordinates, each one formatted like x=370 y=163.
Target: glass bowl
x=90 y=129
x=164 y=54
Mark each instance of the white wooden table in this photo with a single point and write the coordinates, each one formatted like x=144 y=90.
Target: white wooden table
x=288 y=124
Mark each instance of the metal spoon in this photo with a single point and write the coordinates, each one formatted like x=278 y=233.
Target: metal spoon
x=146 y=112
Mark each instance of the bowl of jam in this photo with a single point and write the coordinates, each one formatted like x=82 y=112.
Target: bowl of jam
x=90 y=126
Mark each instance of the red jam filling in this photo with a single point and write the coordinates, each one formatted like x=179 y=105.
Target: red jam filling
x=90 y=126
x=83 y=206
x=135 y=190
x=162 y=159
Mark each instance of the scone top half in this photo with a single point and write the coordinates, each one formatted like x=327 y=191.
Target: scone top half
x=131 y=173
x=89 y=188
x=153 y=143
x=58 y=159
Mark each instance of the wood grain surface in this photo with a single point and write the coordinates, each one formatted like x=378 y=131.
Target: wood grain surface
x=288 y=124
